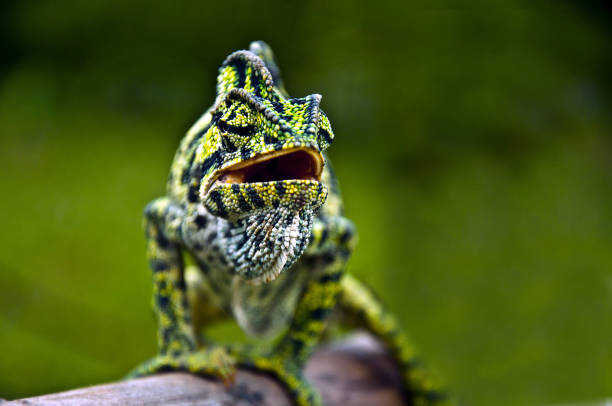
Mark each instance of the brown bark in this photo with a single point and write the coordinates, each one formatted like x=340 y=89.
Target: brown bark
x=353 y=372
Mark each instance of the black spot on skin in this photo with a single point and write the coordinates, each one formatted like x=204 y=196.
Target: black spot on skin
x=197 y=246
x=245 y=154
x=157 y=265
x=162 y=241
x=298 y=101
x=215 y=196
x=239 y=65
x=269 y=139
x=242 y=203
x=232 y=114
x=324 y=135
x=278 y=107
x=346 y=236
x=296 y=346
x=280 y=188
x=215 y=117
x=180 y=284
x=186 y=175
x=208 y=163
x=192 y=194
x=328 y=258
x=242 y=131
x=320 y=313
x=319 y=189
x=255 y=82
x=200 y=221
x=334 y=277
x=255 y=198
x=222 y=125
x=166 y=334
x=259 y=239
x=203 y=266
x=228 y=145
x=162 y=301
x=324 y=236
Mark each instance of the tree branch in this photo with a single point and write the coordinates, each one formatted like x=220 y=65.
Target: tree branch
x=353 y=372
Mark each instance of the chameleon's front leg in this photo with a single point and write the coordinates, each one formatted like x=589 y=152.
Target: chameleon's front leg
x=287 y=359
x=176 y=338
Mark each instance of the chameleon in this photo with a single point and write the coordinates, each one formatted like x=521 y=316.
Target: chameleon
x=252 y=227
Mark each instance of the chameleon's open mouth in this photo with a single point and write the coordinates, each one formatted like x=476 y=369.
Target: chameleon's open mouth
x=286 y=164
x=289 y=178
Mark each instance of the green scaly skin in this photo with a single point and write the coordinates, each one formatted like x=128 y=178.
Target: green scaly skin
x=253 y=200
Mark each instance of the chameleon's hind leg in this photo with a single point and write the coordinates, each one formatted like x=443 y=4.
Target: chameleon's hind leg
x=359 y=307
x=177 y=344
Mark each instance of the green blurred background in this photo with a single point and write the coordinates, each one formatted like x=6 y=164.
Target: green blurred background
x=472 y=144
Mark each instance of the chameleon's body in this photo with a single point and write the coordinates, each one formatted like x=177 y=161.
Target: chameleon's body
x=254 y=201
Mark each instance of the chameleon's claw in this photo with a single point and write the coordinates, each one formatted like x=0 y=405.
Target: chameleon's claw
x=230 y=380
x=213 y=362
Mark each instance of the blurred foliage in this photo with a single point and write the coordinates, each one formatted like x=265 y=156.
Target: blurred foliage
x=473 y=147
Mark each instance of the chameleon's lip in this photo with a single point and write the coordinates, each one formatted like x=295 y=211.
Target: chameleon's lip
x=298 y=163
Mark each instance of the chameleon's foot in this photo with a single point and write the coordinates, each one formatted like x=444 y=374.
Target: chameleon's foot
x=210 y=362
x=290 y=376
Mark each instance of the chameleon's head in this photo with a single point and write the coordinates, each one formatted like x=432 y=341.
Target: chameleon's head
x=262 y=165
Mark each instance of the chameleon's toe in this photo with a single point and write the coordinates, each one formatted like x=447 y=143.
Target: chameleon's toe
x=288 y=375
x=214 y=362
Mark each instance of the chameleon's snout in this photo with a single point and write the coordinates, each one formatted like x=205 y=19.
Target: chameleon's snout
x=286 y=164
x=289 y=178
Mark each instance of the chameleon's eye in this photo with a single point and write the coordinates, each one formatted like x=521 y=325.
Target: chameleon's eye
x=234 y=136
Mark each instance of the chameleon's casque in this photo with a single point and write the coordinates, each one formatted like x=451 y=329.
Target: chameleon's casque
x=253 y=201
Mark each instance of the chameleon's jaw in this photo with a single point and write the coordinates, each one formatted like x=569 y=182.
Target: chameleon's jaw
x=283 y=165
x=269 y=203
